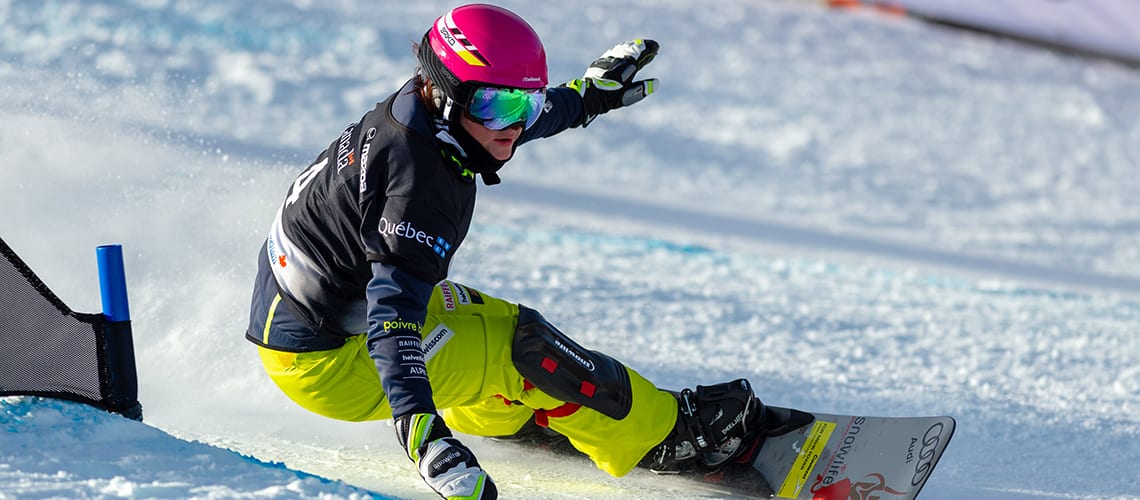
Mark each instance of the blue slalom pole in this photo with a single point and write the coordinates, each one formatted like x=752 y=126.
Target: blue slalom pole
x=120 y=387
x=113 y=283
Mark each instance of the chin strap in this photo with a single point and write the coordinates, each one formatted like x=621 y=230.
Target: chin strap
x=469 y=160
x=452 y=150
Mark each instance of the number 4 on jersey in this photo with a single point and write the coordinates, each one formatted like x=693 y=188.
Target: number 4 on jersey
x=303 y=180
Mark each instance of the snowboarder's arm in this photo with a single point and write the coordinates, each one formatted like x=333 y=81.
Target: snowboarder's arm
x=563 y=110
x=396 y=312
x=397 y=307
x=608 y=84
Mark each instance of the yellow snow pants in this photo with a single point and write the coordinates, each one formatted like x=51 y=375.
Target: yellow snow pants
x=467 y=345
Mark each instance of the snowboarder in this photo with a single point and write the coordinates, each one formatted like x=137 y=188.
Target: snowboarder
x=355 y=320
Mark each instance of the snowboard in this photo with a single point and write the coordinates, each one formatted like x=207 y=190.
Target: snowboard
x=818 y=456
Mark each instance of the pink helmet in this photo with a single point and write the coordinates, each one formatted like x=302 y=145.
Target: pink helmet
x=481 y=44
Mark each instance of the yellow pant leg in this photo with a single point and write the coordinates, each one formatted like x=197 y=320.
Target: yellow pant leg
x=468 y=369
x=493 y=417
x=341 y=383
x=616 y=446
x=467 y=345
x=468 y=356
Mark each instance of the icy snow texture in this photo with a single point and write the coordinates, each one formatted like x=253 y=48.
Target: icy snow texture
x=860 y=214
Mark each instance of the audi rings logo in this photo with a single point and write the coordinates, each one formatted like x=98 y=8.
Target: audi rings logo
x=926 y=454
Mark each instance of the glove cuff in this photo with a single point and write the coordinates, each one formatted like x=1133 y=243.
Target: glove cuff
x=591 y=102
x=415 y=430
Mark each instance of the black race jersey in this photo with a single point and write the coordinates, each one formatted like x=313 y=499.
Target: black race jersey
x=370 y=227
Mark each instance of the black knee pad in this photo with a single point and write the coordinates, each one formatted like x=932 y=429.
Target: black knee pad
x=565 y=370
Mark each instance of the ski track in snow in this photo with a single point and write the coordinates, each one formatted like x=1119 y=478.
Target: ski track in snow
x=893 y=218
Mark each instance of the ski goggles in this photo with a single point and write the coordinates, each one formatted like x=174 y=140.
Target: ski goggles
x=498 y=108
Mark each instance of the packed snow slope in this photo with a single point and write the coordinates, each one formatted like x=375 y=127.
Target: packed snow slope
x=861 y=214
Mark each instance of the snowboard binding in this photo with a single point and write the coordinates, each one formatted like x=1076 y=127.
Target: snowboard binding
x=717 y=424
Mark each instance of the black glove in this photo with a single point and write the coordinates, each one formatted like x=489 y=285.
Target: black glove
x=608 y=82
x=448 y=467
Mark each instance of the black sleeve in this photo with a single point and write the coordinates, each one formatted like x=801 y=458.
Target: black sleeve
x=563 y=108
x=397 y=307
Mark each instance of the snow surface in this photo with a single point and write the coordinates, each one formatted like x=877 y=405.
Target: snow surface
x=861 y=214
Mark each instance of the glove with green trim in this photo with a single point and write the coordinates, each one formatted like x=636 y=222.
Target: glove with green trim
x=448 y=467
x=608 y=82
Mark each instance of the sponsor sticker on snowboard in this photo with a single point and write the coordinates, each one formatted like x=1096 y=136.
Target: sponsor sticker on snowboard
x=842 y=457
x=806 y=459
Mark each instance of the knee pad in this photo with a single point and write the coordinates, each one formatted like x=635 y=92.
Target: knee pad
x=565 y=370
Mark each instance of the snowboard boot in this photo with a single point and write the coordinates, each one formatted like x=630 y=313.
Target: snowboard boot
x=715 y=424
